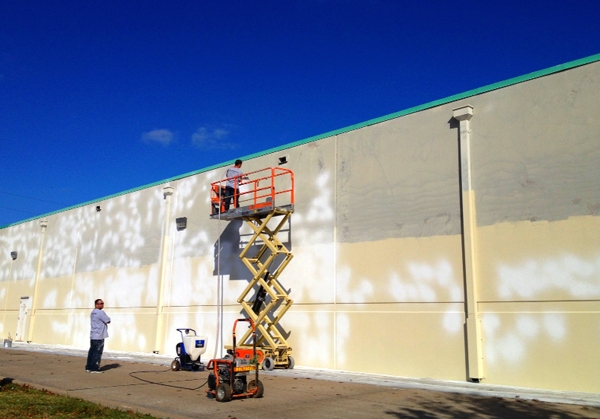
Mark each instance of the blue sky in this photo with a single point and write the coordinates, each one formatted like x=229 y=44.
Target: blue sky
x=101 y=97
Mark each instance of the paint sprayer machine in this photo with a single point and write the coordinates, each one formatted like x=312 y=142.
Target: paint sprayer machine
x=189 y=351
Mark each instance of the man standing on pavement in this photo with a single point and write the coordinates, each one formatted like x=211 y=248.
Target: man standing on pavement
x=99 y=332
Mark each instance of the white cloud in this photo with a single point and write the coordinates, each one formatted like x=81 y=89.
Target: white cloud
x=212 y=138
x=161 y=136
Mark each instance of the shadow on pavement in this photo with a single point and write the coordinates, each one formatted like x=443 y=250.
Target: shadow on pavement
x=109 y=367
x=489 y=408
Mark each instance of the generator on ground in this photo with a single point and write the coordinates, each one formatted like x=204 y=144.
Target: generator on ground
x=235 y=376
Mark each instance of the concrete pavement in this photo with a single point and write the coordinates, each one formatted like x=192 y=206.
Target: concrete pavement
x=144 y=383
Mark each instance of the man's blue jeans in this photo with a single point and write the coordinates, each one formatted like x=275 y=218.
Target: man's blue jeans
x=94 y=354
x=229 y=194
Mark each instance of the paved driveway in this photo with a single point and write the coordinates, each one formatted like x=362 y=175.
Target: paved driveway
x=297 y=394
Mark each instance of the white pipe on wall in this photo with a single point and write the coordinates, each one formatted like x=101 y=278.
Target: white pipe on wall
x=469 y=226
x=34 y=304
x=158 y=343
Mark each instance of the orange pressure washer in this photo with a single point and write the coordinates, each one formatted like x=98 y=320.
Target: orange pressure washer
x=228 y=378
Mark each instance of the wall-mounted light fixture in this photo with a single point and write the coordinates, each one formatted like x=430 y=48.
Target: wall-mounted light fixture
x=167 y=191
x=98 y=209
x=13 y=255
x=283 y=160
x=181 y=223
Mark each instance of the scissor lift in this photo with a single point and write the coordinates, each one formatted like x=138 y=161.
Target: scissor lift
x=265 y=202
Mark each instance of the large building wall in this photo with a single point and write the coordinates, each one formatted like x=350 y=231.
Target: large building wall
x=537 y=186
x=397 y=269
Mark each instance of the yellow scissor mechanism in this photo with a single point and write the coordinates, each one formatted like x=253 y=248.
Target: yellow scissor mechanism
x=272 y=300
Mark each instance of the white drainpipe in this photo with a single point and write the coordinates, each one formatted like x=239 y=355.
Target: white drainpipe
x=469 y=226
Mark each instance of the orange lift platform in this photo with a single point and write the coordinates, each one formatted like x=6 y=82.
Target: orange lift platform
x=265 y=201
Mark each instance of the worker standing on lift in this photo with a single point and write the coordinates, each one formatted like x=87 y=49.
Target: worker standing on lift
x=234 y=177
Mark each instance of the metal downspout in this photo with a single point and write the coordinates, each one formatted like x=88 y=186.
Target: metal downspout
x=166 y=243
x=469 y=226
x=34 y=304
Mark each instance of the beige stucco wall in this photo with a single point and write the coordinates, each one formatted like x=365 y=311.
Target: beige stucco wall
x=537 y=188
x=377 y=278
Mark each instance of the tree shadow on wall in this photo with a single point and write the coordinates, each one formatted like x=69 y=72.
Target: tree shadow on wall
x=465 y=406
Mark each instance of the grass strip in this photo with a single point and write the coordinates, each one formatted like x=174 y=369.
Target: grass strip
x=23 y=401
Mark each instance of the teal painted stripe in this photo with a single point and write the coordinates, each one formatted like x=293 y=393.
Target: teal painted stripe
x=414 y=109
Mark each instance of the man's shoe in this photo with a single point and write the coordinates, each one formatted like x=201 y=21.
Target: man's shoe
x=88 y=371
x=97 y=372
